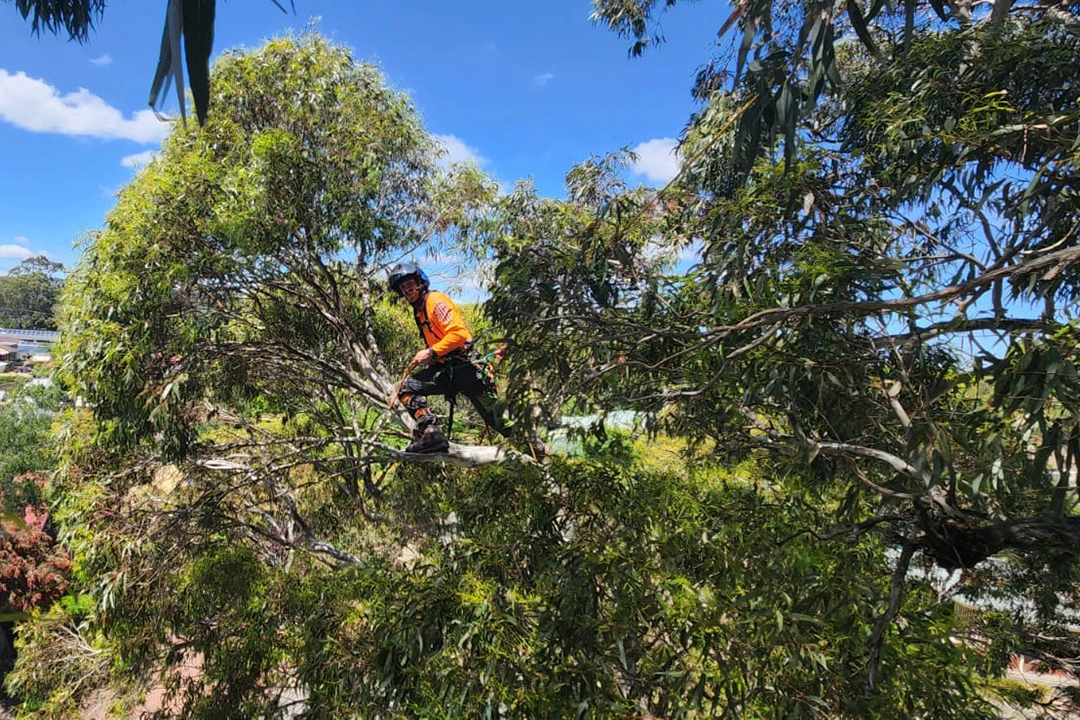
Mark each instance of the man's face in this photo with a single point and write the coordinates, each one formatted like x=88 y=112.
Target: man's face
x=411 y=289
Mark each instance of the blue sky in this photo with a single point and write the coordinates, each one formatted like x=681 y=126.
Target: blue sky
x=525 y=89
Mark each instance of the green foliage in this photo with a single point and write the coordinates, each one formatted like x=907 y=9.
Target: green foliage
x=885 y=303
x=783 y=309
x=242 y=263
x=790 y=57
x=810 y=317
x=26 y=416
x=630 y=592
x=595 y=591
x=612 y=445
x=29 y=293
x=57 y=666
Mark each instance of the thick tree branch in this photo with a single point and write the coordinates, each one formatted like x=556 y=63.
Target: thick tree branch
x=961 y=326
x=1049 y=260
x=964 y=543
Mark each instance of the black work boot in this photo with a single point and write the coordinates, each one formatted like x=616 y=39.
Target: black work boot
x=428 y=440
x=540 y=452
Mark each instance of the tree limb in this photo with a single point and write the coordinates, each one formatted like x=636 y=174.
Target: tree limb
x=877 y=636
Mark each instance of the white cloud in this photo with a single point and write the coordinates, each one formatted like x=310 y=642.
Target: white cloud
x=543 y=79
x=36 y=106
x=138 y=159
x=16 y=250
x=102 y=60
x=657 y=159
x=457 y=151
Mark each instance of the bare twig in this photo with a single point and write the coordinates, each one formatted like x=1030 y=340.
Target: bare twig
x=851 y=531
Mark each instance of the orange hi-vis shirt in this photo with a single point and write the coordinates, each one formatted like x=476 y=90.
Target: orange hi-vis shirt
x=441 y=324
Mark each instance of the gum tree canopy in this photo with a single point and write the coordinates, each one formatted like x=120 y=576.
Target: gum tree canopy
x=226 y=330
x=29 y=292
x=816 y=320
x=886 y=300
x=243 y=272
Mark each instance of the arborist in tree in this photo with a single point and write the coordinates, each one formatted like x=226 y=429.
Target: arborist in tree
x=447 y=364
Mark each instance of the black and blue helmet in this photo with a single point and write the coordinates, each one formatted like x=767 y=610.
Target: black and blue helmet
x=401 y=271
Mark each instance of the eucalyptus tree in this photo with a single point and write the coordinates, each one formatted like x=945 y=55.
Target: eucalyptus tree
x=242 y=273
x=29 y=293
x=225 y=497
x=884 y=304
x=224 y=494
x=230 y=335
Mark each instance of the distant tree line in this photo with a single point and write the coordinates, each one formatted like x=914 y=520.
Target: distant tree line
x=28 y=294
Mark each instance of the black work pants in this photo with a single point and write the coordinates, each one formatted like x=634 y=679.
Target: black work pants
x=453 y=376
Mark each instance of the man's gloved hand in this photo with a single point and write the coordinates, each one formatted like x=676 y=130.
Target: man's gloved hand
x=424 y=357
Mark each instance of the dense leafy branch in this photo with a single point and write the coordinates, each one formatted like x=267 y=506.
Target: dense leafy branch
x=867 y=332
x=886 y=302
